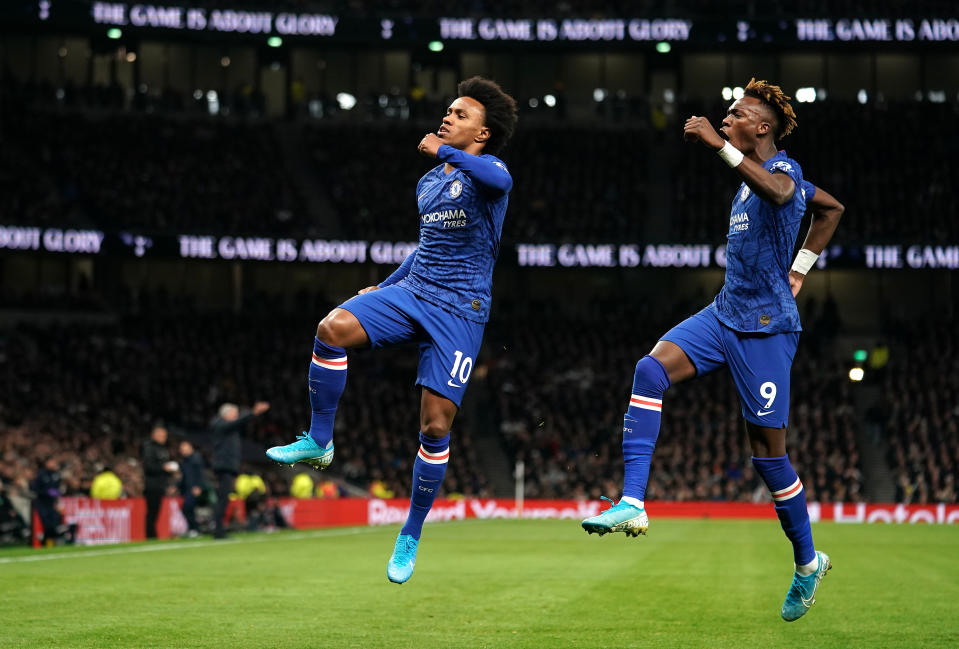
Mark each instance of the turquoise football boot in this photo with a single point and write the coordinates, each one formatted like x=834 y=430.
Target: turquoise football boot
x=305 y=450
x=621 y=517
x=802 y=592
x=400 y=567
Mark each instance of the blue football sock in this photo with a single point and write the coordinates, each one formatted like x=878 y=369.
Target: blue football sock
x=428 y=471
x=327 y=380
x=790 y=501
x=641 y=424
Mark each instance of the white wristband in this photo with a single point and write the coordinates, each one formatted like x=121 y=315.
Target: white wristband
x=731 y=155
x=804 y=261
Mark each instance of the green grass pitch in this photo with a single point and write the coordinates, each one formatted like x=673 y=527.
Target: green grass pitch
x=691 y=583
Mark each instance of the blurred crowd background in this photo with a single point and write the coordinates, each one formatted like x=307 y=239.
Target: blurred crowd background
x=97 y=352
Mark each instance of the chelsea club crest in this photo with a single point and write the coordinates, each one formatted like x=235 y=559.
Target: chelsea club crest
x=456 y=189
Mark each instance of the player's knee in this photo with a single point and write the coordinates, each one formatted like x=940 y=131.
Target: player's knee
x=650 y=375
x=436 y=426
x=330 y=330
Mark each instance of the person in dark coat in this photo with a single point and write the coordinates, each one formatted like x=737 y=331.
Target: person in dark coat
x=227 y=428
x=46 y=487
x=192 y=484
x=157 y=468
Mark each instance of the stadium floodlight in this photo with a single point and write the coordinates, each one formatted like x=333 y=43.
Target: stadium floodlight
x=198 y=94
x=862 y=96
x=131 y=57
x=727 y=93
x=62 y=52
x=114 y=33
x=738 y=93
x=663 y=47
x=937 y=96
x=669 y=95
x=805 y=95
x=549 y=100
x=435 y=46
x=821 y=94
x=599 y=94
x=860 y=355
x=225 y=61
x=856 y=374
x=533 y=102
x=345 y=100
x=274 y=41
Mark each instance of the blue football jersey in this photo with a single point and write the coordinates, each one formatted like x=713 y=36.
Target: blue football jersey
x=461 y=221
x=756 y=296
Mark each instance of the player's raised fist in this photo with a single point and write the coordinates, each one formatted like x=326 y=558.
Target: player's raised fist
x=429 y=145
x=698 y=129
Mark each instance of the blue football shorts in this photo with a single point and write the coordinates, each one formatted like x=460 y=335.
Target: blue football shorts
x=759 y=363
x=448 y=343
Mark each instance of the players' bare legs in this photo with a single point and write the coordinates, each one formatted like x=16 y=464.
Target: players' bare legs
x=674 y=361
x=771 y=462
x=337 y=332
x=766 y=442
x=340 y=328
x=429 y=468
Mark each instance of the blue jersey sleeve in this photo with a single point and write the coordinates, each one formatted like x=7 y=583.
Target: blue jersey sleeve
x=787 y=167
x=808 y=189
x=401 y=272
x=490 y=174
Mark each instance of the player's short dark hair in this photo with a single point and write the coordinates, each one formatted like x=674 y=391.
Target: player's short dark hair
x=777 y=101
x=500 y=108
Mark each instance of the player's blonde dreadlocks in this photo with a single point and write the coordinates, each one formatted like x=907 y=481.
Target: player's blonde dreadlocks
x=778 y=101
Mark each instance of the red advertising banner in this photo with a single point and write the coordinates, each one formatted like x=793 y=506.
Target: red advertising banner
x=122 y=521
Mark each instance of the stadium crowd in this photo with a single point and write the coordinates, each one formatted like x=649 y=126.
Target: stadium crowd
x=87 y=395
x=919 y=413
x=564 y=419
x=602 y=182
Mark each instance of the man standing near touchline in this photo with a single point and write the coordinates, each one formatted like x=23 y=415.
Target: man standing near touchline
x=226 y=428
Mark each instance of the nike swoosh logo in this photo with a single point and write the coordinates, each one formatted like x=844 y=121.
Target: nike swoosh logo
x=453 y=385
x=421 y=195
x=427 y=481
x=763 y=414
x=808 y=602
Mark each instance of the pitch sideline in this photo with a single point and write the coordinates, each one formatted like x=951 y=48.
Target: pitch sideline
x=159 y=547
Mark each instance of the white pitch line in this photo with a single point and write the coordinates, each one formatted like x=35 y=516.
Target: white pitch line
x=159 y=547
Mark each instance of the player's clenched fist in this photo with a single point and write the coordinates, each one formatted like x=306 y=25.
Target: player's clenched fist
x=429 y=145
x=698 y=129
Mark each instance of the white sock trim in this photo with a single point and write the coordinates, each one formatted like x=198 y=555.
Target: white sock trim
x=809 y=568
x=635 y=502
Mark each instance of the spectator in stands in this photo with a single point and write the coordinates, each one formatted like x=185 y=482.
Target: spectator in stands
x=157 y=469
x=227 y=428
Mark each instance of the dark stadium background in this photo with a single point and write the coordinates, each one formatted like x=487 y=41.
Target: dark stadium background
x=170 y=199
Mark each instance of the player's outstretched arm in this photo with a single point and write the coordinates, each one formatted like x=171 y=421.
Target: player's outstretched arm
x=775 y=188
x=826 y=212
x=401 y=272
